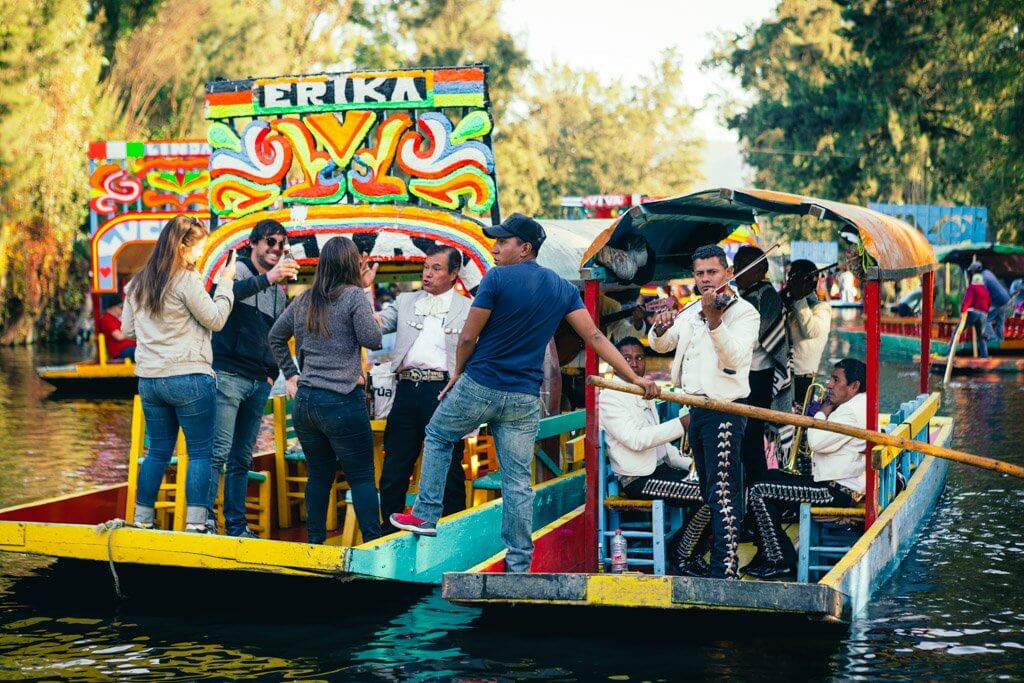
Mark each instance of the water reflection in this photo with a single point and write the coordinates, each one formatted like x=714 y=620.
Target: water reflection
x=52 y=447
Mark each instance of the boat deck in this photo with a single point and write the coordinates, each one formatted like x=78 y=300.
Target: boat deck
x=840 y=593
x=465 y=538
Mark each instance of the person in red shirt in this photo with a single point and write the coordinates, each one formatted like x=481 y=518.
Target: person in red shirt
x=118 y=345
x=977 y=302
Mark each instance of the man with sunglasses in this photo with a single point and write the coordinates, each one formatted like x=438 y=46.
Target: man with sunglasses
x=246 y=368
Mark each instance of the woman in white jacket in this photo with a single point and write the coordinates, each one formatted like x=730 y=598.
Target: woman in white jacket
x=647 y=464
x=837 y=473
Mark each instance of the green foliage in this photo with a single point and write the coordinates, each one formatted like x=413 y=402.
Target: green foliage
x=914 y=101
x=135 y=69
x=577 y=136
x=50 y=68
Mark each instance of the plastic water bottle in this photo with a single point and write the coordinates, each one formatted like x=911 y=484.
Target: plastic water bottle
x=618 y=548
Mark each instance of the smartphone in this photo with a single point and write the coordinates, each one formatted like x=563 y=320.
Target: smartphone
x=295 y=252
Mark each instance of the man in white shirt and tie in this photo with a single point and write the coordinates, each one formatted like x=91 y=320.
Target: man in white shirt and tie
x=428 y=323
x=837 y=476
x=714 y=341
x=647 y=464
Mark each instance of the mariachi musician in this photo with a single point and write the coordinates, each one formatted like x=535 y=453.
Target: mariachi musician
x=428 y=323
x=809 y=323
x=713 y=342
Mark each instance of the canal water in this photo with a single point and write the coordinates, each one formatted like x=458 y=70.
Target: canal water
x=954 y=610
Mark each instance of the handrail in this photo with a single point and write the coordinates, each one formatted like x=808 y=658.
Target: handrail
x=888 y=461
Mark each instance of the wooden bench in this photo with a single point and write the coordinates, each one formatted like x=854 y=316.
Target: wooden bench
x=171 y=502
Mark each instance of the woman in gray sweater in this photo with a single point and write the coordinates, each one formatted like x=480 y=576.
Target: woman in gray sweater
x=331 y=323
x=169 y=312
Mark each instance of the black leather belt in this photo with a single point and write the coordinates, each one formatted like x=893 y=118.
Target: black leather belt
x=418 y=375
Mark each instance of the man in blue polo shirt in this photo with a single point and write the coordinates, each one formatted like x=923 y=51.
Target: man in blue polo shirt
x=497 y=379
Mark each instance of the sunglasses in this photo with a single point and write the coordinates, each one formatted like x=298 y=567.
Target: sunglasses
x=274 y=241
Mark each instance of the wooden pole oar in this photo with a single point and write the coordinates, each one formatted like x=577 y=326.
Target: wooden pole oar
x=951 y=352
x=767 y=415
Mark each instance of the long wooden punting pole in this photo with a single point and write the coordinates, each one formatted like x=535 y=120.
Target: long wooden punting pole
x=812 y=423
x=951 y=351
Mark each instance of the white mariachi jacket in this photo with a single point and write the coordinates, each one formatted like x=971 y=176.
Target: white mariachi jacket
x=715 y=363
x=837 y=457
x=400 y=316
x=632 y=435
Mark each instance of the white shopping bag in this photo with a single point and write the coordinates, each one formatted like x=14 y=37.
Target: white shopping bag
x=382 y=382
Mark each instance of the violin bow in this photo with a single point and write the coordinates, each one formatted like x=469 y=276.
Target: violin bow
x=720 y=288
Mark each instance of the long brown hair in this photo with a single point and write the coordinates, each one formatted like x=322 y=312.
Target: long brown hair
x=338 y=268
x=165 y=262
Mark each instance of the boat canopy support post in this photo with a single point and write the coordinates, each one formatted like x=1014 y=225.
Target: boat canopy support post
x=591 y=299
x=872 y=326
x=97 y=311
x=927 y=301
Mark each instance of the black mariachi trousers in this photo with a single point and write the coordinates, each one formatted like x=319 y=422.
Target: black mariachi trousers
x=780 y=491
x=415 y=403
x=669 y=484
x=715 y=439
x=755 y=464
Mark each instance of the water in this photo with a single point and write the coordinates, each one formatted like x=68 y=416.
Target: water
x=954 y=610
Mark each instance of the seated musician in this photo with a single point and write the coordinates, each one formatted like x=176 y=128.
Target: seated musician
x=837 y=479
x=646 y=463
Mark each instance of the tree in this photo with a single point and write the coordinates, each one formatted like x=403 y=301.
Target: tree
x=578 y=136
x=903 y=100
x=46 y=86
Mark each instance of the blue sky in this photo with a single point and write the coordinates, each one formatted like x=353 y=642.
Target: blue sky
x=621 y=39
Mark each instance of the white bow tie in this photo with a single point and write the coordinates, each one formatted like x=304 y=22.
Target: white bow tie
x=433 y=305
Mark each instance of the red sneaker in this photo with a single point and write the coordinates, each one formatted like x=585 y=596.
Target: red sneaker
x=400 y=520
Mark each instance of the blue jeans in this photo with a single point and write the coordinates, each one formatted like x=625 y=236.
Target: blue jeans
x=240 y=405
x=188 y=402
x=996 y=323
x=513 y=419
x=334 y=429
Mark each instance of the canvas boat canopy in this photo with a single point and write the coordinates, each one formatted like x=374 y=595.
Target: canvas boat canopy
x=673 y=228
x=1006 y=261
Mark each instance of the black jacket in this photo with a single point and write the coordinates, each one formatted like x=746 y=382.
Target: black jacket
x=241 y=348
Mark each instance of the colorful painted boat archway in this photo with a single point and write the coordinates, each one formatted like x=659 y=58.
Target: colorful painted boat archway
x=389 y=234
x=135 y=187
x=396 y=160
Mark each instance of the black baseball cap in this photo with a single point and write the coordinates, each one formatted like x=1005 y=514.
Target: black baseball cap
x=518 y=225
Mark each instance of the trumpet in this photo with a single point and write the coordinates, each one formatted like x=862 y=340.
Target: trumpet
x=799 y=455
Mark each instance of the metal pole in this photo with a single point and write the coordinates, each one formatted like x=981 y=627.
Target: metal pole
x=591 y=299
x=874 y=340
x=927 y=298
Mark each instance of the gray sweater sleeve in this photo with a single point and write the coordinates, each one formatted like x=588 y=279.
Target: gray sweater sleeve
x=368 y=332
x=280 y=333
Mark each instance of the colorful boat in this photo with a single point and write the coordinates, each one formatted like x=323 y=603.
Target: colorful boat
x=397 y=161
x=134 y=188
x=844 y=554
x=900 y=334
